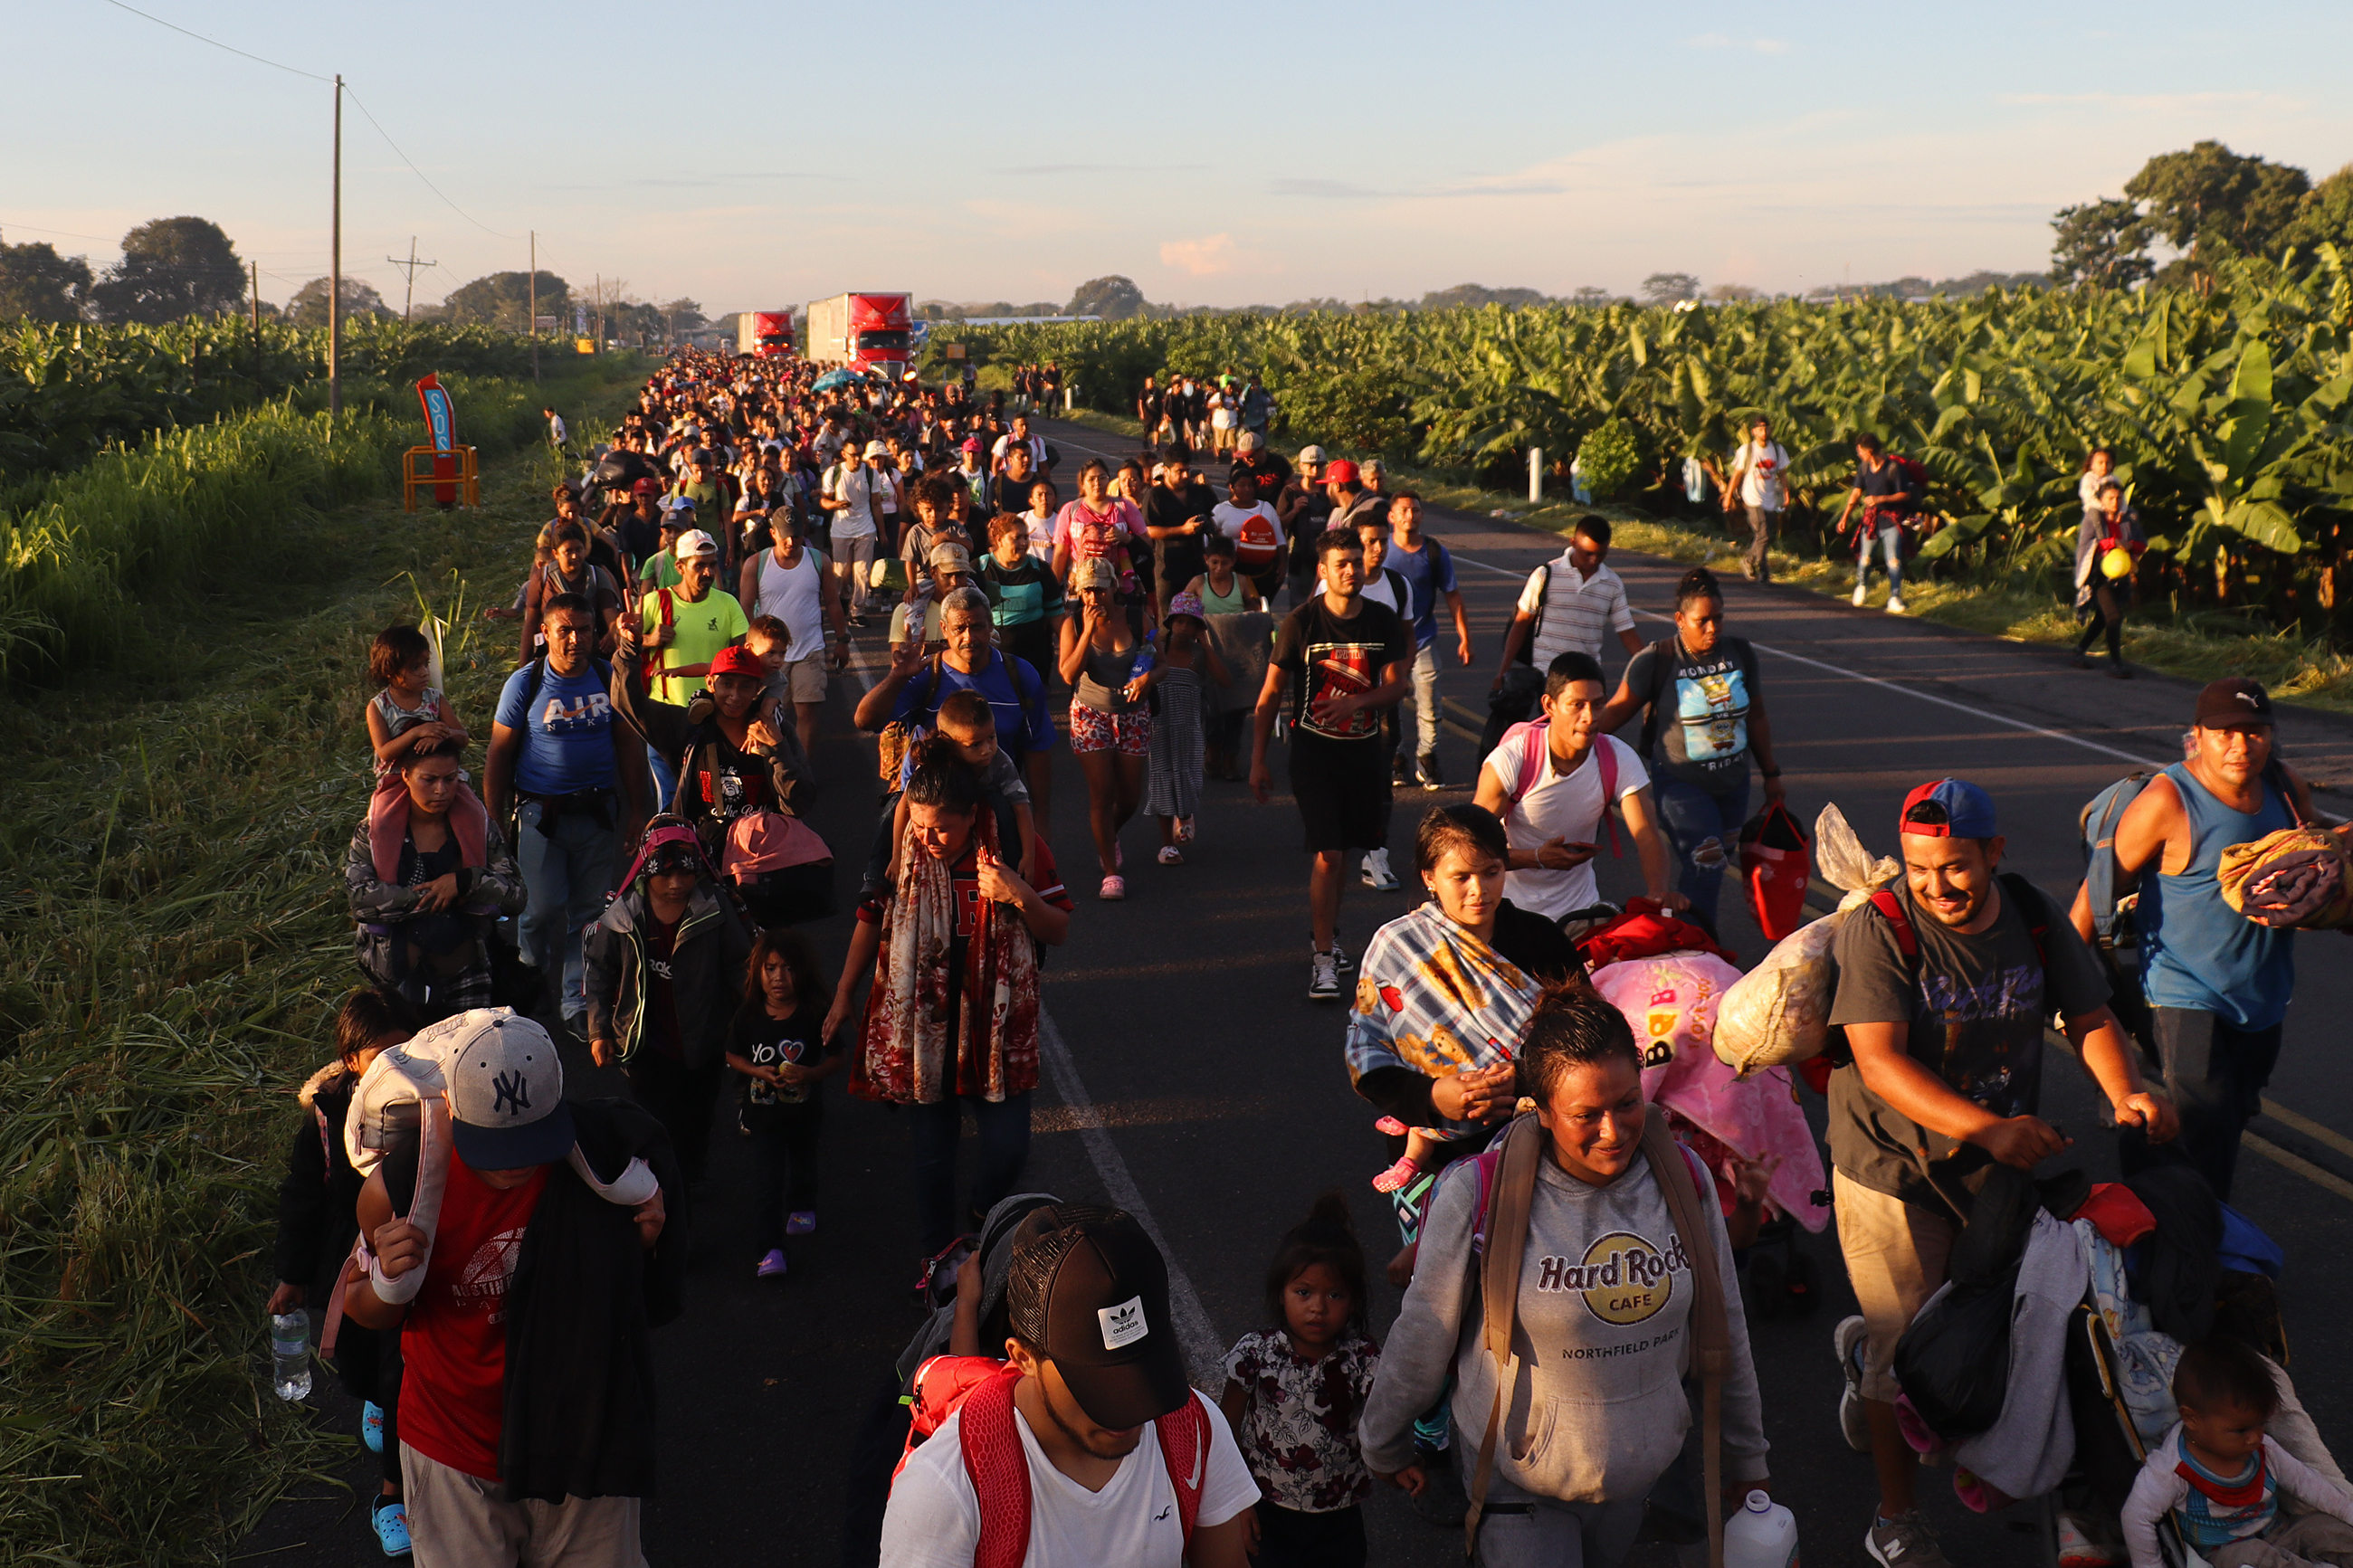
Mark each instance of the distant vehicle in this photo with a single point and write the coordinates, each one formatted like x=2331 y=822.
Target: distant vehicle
x=767 y=333
x=868 y=332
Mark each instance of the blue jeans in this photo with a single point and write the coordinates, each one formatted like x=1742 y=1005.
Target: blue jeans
x=566 y=876
x=1890 y=552
x=1703 y=833
x=1425 y=705
x=1004 y=1150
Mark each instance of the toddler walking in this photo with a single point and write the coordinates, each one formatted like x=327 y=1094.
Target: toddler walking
x=776 y=1043
x=1294 y=1392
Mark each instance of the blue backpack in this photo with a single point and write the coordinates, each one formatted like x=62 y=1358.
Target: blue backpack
x=2111 y=927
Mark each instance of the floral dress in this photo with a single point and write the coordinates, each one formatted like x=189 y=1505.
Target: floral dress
x=1298 y=1433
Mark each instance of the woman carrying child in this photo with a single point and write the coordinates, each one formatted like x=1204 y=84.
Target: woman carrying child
x=429 y=874
x=407 y=710
x=776 y=1044
x=1176 y=683
x=1294 y=1391
x=567 y=570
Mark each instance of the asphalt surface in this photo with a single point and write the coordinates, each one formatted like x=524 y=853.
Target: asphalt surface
x=1189 y=1077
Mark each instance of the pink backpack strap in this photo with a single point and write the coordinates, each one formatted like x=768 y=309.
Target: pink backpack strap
x=1487 y=1160
x=999 y=1472
x=1184 y=1436
x=1604 y=755
x=1532 y=758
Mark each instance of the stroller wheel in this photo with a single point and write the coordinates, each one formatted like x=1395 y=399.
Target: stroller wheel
x=1762 y=1286
x=1801 y=1289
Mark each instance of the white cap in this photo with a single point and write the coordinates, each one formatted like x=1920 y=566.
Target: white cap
x=694 y=543
x=505 y=1083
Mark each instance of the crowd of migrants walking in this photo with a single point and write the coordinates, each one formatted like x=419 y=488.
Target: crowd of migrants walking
x=1590 y=1119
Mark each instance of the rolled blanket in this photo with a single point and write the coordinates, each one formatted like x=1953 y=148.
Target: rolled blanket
x=2298 y=877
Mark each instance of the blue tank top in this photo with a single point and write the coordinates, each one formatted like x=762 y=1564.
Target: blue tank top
x=2196 y=949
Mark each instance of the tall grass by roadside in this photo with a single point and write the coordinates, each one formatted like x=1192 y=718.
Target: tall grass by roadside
x=188 y=499
x=173 y=943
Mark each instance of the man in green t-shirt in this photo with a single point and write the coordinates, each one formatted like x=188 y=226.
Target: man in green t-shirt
x=684 y=627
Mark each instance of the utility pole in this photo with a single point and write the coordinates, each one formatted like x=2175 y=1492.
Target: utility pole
x=600 y=310
x=335 y=273
x=256 y=266
x=534 y=304
x=409 y=266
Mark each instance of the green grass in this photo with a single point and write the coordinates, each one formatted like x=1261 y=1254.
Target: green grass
x=2201 y=645
x=174 y=942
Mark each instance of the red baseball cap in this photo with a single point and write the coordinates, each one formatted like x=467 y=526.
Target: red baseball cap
x=646 y=487
x=1948 y=808
x=737 y=661
x=1341 y=472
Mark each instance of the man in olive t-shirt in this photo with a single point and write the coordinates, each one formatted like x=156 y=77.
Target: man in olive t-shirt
x=1946 y=1080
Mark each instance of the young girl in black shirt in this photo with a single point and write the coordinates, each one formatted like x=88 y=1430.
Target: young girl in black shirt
x=776 y=1044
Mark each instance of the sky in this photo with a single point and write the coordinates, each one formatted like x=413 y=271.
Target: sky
x=750 y=156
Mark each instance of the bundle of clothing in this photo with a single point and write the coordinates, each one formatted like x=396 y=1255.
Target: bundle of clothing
x=2298 y=877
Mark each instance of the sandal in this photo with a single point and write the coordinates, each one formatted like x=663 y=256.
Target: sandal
x=1184 y=830
x=1396 y=1178
x=1390 y=1125
x=1114 y=887
x=1171 y=855
x=390 y=1517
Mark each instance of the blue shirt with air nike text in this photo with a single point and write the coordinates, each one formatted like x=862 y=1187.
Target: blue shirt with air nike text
x=567 y=743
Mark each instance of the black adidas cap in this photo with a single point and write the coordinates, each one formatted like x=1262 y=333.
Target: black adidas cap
x=1092 y=1298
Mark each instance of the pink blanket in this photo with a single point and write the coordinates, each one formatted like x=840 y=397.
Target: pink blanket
x=1671 y=1002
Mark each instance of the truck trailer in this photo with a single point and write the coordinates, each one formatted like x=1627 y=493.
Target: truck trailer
x=868 y=331
x=767 y=333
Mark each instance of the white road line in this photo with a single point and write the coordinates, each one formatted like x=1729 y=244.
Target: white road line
x=2132 y=757
x=1203 y=1347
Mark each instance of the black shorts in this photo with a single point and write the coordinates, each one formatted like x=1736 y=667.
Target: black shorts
x=1343 y=791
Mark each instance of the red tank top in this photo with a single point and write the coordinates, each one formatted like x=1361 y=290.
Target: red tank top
x=453 y=1395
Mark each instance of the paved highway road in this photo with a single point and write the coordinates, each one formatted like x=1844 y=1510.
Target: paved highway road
x=1190 y=1079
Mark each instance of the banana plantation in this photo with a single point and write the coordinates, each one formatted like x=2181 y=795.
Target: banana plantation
x=2230 y=411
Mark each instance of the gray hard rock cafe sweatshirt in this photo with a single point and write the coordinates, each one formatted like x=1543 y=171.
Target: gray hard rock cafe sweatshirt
x=1604 y=1340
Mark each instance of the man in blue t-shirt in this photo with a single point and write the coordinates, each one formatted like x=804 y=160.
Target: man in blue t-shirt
x=1428 y=573
x=916 y=685
x=556 y=751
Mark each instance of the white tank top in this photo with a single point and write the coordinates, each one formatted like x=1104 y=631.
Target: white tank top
x=795 y=595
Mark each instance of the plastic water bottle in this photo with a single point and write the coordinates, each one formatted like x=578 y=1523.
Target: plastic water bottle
x=1143 y=655
x=1763 y=1534
x=289 y=1353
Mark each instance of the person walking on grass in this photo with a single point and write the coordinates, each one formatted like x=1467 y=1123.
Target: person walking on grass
x=1340 y=659
x=1884 y=490
x=429 y=874
x=578 y=784
x=1759 y=471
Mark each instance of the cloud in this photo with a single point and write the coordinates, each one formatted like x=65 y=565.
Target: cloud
x=2149 y=102
x=1205 y=257
x=1722 y=41
x=1338 y=190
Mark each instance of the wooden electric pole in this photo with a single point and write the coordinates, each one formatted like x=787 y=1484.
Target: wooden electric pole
x=335 y=272
x=409 y=266
x=256 y=266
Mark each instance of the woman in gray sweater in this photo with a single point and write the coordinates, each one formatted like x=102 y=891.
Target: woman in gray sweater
x=1605 y=1311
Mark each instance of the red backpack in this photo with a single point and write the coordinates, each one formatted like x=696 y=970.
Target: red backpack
x=1257 y=542
x=982 y=1387
x=1532 y=761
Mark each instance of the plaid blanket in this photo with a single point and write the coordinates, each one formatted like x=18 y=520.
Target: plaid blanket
x=1433 y=997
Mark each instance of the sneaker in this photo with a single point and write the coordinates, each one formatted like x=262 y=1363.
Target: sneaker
x=390 y=1517
x=1860 y=591
x=1848 y=1340
x=1426 y=767
x=772 y=1267
x=1114 y=888
x=1398 y=771
x=1171 y=855
x=1323 y=979
x=1341 y=958
x=1895 y=604
x=1905 y=1541
x=1377 y=875
x=800 y=1222
x=1442 y=1501
x=372 y=1427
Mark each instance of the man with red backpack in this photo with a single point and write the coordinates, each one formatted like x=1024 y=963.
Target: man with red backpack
x=1946 y=981
x=1087 y=1447
x=1890 y=489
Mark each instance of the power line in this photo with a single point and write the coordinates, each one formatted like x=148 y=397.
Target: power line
x=216 y=43
x=412 y=169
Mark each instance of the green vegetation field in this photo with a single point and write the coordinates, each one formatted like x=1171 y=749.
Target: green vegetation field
x=173 y=941
x=2231 y=412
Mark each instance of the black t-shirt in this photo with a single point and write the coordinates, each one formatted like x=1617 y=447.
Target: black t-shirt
x=1010 y=497
x=1327 y=655
x=661 y=999
x=1269 y=469
x=1973 y=1007
x=1699 y=719
x=767 y=1042
x=1889 y=480
x=1305 y=528
x=1179 y=561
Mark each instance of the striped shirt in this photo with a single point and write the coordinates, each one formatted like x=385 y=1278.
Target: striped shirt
x=1575 y=614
